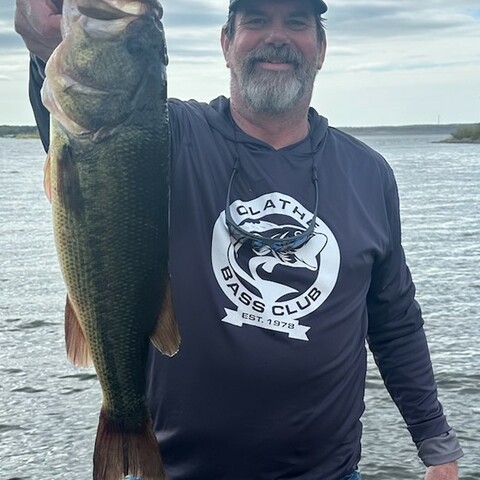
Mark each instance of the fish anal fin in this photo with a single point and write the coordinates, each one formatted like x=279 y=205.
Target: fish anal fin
x=78 y=351
x=122 y=450
x=166 y=336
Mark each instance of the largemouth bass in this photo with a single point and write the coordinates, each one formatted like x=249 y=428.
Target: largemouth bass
x=107 y=176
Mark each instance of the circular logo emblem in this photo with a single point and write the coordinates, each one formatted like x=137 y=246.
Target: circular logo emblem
x=274 y=290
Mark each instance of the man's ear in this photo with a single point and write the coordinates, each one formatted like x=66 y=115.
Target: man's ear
x=321 y=54
x=225 y=42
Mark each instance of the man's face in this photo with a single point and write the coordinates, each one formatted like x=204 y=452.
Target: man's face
x=274 y=54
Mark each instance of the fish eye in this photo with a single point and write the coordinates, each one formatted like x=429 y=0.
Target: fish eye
x=134 y=46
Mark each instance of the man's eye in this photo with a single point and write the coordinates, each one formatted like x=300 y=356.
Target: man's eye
x=255 y=22
x=297 y=24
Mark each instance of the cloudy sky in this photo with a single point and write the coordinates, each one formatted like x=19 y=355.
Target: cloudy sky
x=388 y=62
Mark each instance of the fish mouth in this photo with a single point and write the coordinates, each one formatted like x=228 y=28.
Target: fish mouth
x=108 y=10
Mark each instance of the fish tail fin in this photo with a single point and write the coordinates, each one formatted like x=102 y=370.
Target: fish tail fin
x=78 y=351
x=166 y=336
x=121 y=451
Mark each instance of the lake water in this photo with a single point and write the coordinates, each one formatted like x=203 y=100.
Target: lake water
x=49 y=410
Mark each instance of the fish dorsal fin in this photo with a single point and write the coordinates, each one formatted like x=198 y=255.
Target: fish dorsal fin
x=166 y=336
x=78 y=351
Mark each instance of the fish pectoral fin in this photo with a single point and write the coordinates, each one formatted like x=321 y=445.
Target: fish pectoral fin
x=166 y=336
x=68 y=182
x=78 y=351
x=47 y=177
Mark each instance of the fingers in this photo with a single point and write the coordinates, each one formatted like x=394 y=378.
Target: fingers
x=38 y=22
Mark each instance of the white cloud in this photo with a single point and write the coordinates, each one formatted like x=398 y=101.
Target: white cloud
x=387 y=62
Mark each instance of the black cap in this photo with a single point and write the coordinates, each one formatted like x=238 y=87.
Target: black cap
x=320 y=6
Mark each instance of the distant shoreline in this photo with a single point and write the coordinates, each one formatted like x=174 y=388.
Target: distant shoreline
x=465 y=134
x=461 y=140
x=459 y=133
x=30 y=131
x=19 y=131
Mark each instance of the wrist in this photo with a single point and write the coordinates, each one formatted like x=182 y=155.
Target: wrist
x=446 y=471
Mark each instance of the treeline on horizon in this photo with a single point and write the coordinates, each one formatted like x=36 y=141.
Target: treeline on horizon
x=471 y=132
x=457 y=131
x=18 y=131
x=452 y=129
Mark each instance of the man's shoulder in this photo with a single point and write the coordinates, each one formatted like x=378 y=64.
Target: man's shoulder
x=193 y=114
x=348 y=141
x=354 y=147
x=338 y=140
x=357 y=155
x=216 y=106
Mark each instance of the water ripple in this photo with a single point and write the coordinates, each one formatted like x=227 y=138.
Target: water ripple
x=28 y=390
x=10 y=428
x=49 y=410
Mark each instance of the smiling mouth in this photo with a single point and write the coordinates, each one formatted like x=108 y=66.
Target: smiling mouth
x=275 y=65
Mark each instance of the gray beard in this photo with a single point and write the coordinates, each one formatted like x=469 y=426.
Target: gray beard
x=275 y=92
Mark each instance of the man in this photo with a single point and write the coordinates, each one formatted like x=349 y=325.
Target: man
x=285 y=258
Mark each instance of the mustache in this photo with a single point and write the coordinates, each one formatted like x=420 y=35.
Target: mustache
x=270 y=53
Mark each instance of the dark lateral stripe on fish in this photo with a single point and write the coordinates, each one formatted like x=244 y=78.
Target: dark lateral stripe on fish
x=68 y=184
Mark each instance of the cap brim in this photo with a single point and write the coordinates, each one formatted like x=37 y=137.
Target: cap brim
x=320 y=5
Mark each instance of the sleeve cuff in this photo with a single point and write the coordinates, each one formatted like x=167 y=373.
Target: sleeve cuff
x=441 y=449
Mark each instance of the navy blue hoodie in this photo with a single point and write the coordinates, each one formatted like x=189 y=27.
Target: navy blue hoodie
x=269 y=381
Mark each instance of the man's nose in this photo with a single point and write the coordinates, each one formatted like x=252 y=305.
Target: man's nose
x=277 y=35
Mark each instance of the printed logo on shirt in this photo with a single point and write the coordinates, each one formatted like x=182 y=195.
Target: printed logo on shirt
x=274 y=290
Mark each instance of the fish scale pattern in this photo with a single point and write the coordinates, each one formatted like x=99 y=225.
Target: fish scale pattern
x=114 y=256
